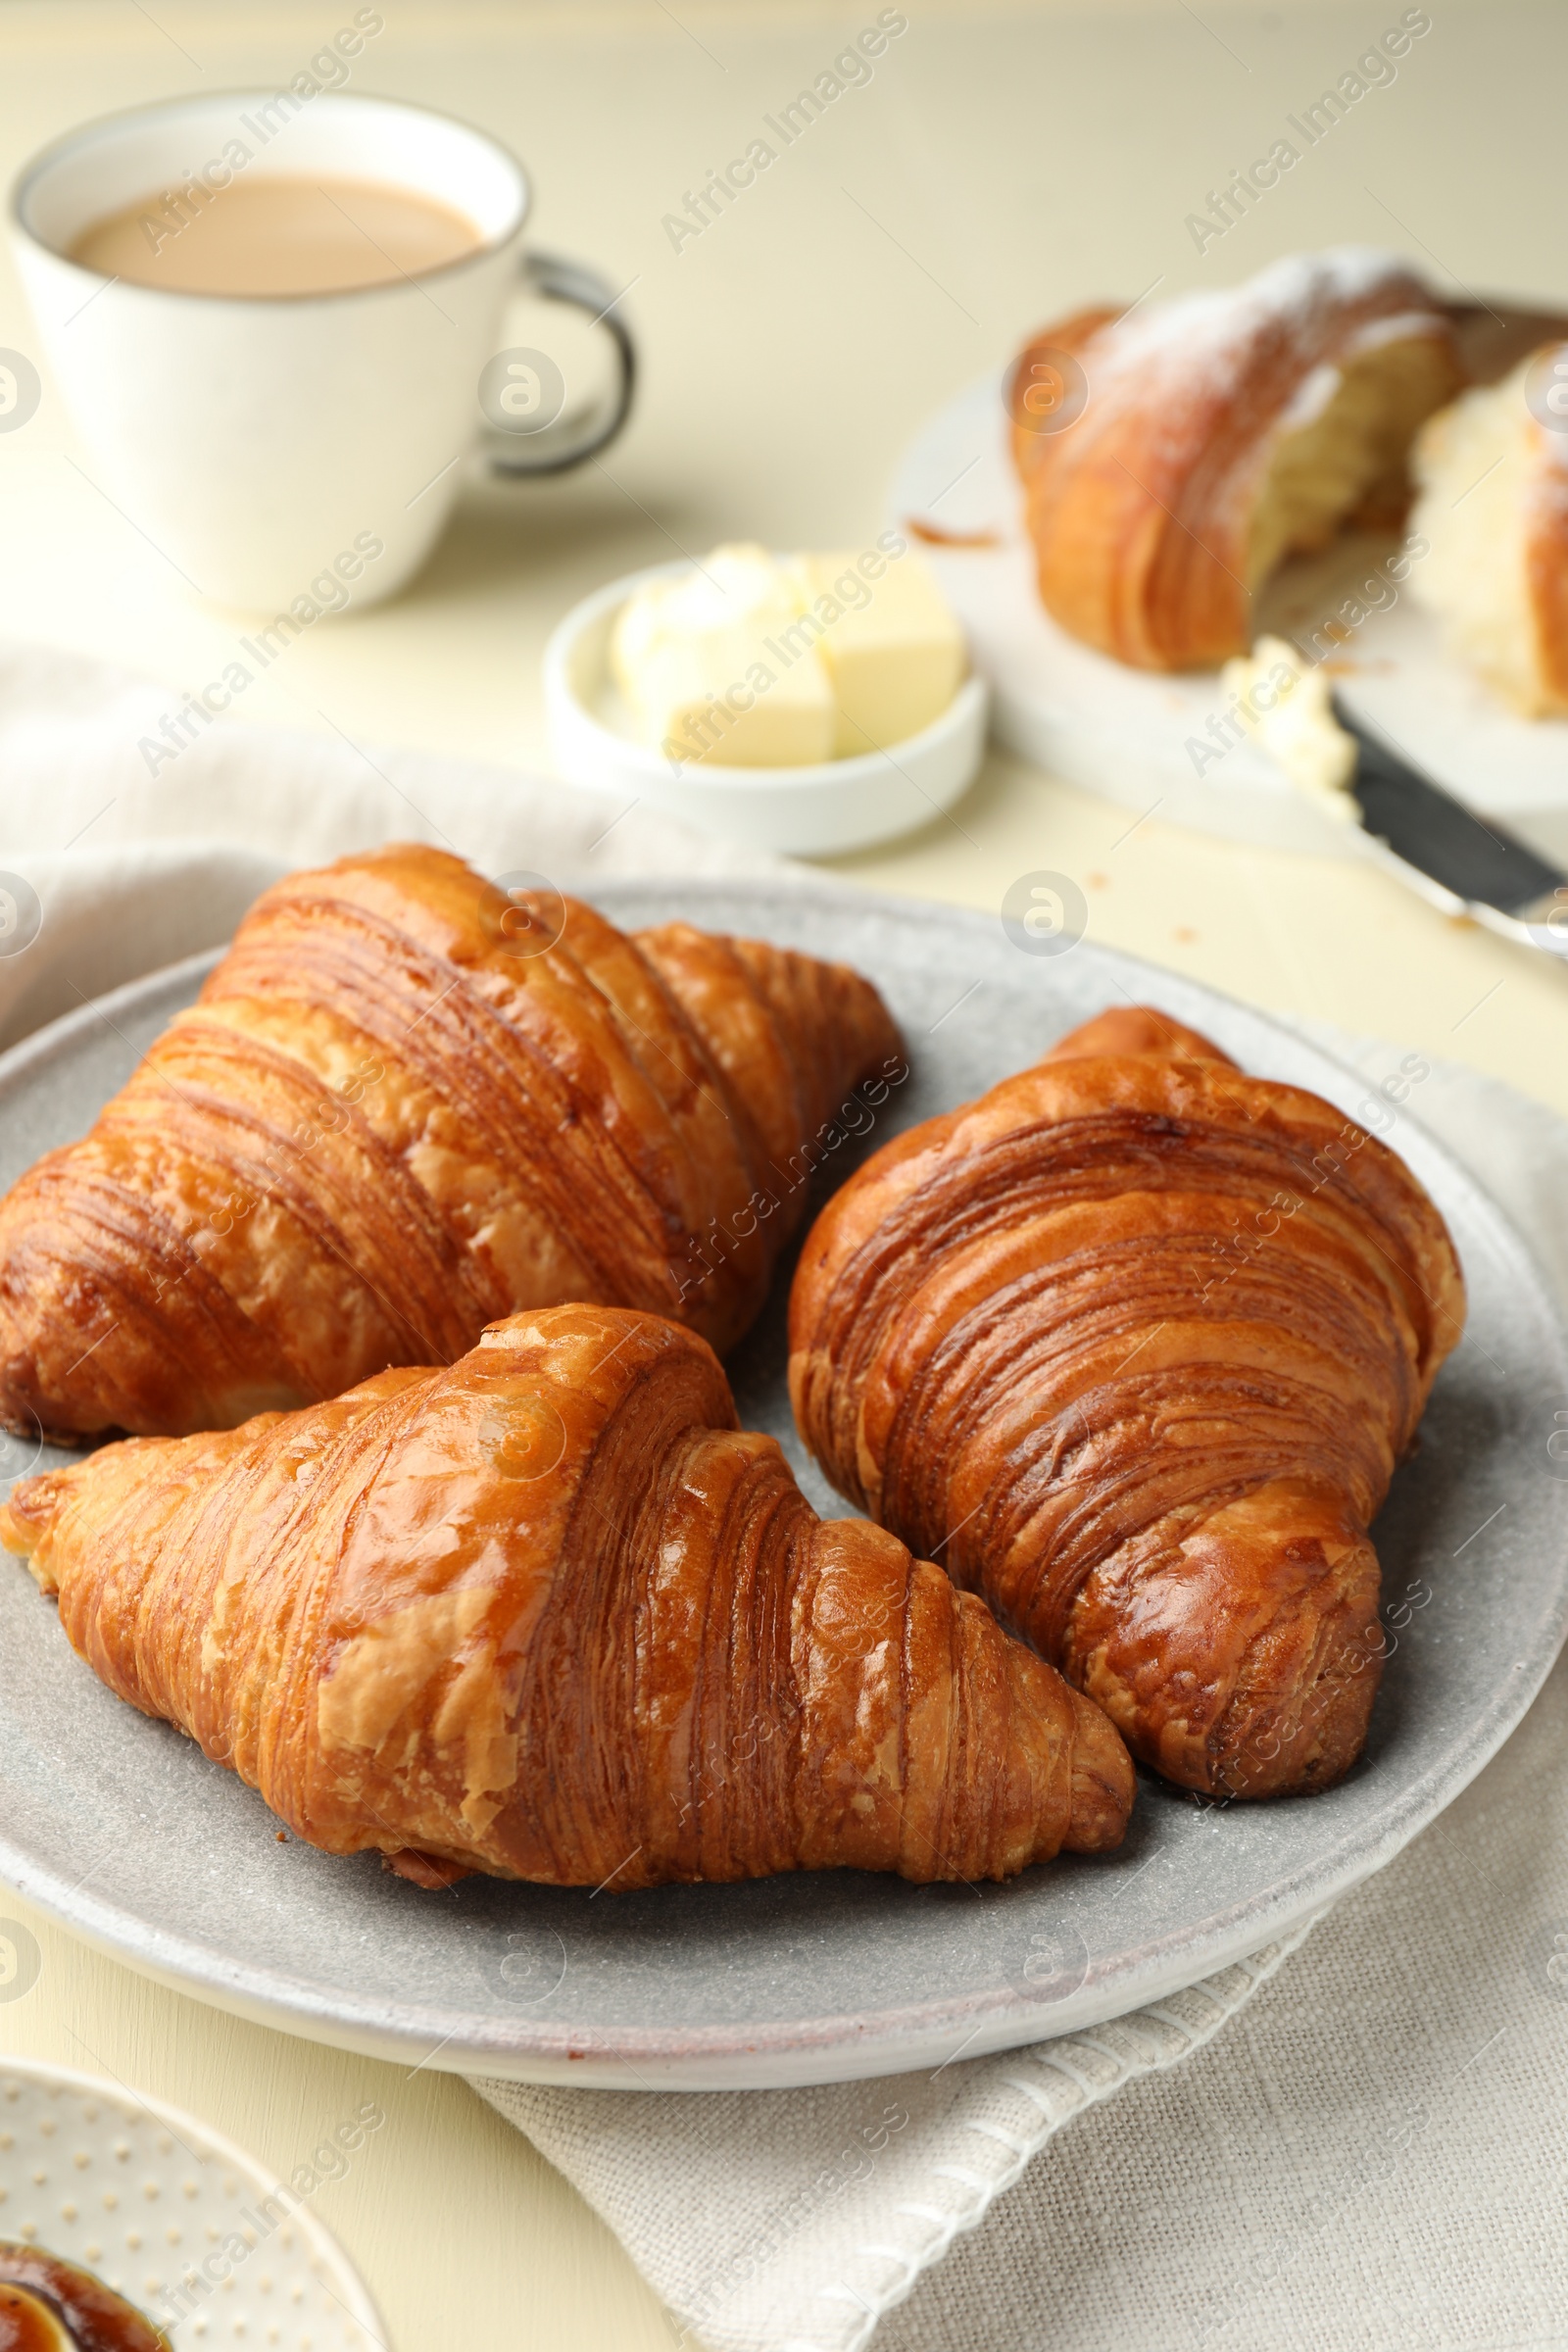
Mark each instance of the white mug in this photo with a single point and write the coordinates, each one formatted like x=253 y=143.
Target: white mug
x=259 y=441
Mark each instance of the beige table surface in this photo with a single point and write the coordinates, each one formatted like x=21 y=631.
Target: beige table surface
x=1007 y=163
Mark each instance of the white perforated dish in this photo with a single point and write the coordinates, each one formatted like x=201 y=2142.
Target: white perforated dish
x=153 y=2202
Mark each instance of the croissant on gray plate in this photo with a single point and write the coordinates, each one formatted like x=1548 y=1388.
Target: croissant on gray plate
x=1132 y=1346
x=406 y=1103
x=546 y=1613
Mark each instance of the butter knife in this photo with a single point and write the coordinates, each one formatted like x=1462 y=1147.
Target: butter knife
x=1458 y=860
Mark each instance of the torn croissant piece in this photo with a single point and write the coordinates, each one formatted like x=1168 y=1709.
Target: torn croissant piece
x=1173 y=455
x=546 y=1613
x=406 y=1104
x=1493 y=511
x=1132 y=1346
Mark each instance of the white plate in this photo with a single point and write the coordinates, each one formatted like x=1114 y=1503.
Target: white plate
x=799 y=811
x=123 y=1829
x=1125 y=733
x=142 y=2194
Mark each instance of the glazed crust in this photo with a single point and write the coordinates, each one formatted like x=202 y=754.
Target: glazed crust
x=400 y=1108
x=547 y=1614
x=1132 y=1346
x=1142 y=507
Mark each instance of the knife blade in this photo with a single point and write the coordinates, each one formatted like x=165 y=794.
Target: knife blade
x=1458 y=860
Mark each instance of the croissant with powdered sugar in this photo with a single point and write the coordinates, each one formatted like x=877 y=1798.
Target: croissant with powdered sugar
x=1173 y=455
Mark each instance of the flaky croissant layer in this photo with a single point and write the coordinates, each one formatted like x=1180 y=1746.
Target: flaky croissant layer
x=548 y=1614
x=1132 y=1346
x=408 y=1104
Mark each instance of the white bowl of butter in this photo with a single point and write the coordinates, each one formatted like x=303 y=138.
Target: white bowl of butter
x=803 y=704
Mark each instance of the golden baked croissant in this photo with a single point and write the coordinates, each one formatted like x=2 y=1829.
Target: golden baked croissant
x=1493 y=511
x=546 y=1613
x=1132 y=1347
x=400 y=1108
x=1210 y=436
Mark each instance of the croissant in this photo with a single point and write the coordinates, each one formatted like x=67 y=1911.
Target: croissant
x=1132 y=1347
x=405 y=1105
x=1174 y=455
x=1494 y=509
x=546 y=1613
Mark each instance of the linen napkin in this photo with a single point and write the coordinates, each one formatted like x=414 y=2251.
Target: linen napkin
x=1369 y=2155
x=135 y=870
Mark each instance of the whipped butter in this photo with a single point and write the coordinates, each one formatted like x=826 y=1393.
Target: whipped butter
x=1284 y=702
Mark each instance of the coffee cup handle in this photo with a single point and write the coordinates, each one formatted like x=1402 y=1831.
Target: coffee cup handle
x=522 y=391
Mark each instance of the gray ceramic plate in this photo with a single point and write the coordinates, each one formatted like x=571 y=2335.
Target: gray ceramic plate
x=124 y=1831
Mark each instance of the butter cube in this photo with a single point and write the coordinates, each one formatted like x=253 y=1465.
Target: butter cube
x=710 y=672
x=895 y=654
